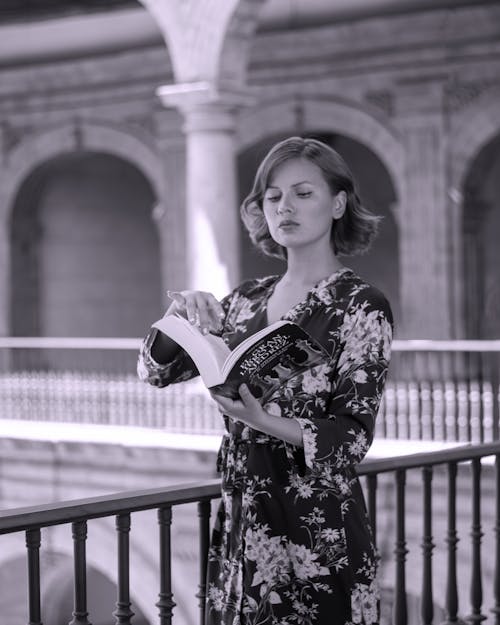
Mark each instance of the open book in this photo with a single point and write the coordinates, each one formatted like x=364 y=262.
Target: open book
x=264 y=361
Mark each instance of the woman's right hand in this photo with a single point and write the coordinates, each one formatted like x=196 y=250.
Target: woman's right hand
x=200 y=308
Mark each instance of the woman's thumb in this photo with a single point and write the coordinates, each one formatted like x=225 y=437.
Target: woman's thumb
x=176 y=296
x=246 y=395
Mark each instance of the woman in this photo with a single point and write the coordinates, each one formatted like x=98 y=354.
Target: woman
x=292 y=541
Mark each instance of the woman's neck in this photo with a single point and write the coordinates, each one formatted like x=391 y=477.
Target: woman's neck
x=306 y=269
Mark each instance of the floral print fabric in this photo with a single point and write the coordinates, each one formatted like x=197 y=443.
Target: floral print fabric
x=292 y=543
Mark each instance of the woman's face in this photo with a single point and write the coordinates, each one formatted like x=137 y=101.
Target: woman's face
x=299 y=206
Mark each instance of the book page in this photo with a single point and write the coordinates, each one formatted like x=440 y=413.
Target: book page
x=207 y=351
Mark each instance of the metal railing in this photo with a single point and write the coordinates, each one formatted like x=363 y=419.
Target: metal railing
x=436 y=390
x=123 y=505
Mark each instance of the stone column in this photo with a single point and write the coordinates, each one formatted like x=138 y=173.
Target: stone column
x=212 y=211
x=473 y=264
x=5 y=277
x=169 y=211
x=424 y=215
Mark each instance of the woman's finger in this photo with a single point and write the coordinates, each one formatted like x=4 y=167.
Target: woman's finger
x=246 y=396
x=203 y=308
x=178 y=305
x=210 y=312
x=192 y=310
x=216 y=309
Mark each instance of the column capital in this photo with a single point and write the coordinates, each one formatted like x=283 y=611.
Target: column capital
x=419 y=98
x=205 y=106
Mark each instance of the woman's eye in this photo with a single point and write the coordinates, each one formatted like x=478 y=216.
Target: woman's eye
x=304 y=193
x=273 y=198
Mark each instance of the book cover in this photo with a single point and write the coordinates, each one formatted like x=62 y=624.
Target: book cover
x=266 y=364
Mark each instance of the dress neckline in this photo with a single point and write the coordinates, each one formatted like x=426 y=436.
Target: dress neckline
x=333 y=277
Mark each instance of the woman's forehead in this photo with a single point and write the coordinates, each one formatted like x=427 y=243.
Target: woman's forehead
x=295 y=170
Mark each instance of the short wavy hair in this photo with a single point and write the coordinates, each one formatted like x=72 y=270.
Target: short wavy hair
x=352 y=234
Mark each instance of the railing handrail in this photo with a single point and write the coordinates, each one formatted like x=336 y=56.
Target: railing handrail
x=455 y=345
x=59 y=512
x=63 y=342
x=461 y=453
x=125 y=343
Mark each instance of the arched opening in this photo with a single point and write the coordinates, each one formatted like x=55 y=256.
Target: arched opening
x=101 y=598
x=481 y=253
x=85 y=251
x=57 y=592
x=380 y=266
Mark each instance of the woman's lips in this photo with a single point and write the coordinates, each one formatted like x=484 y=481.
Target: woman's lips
x=286 y=225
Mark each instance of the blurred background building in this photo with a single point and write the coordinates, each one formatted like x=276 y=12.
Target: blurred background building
x=129 y=134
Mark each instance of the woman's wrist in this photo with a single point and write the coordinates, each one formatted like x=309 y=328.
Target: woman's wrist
x=288 y=430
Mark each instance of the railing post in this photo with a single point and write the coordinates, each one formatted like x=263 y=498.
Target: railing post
x=204 y=510
x=123 y=613
x=80 y=590
x=496 y=579
x=495 y=392
x=165 y=602
x=476 y=591
x=400 y=615
x=33 y=541
x=427 y=607
x=452 y=541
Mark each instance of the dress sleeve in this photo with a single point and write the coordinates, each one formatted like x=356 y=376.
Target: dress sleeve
x=179 y=369
x=343 y=435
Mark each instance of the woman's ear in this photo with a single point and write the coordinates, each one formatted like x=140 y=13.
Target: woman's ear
x=339 y=204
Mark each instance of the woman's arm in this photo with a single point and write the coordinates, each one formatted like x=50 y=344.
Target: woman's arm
x=161 y=360
x=344 y=434
x=164 y=349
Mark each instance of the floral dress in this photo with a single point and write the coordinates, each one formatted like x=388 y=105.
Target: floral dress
x=292 y=543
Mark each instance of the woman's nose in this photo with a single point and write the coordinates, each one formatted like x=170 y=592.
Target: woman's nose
x=285 y=204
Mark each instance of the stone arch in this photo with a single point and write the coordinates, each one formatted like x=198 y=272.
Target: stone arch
x=473 y=131
x=235 y=50
x=57 y=596
x=346 y=118
x=218 y=54
x=74 y=140
x=86 y=135
x=57 y=570
x=470 y=131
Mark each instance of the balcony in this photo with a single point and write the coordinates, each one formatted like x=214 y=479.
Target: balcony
x=436 y=515
x=461 y=463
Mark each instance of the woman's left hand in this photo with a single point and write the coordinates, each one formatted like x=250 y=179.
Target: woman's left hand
x=247 y=410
